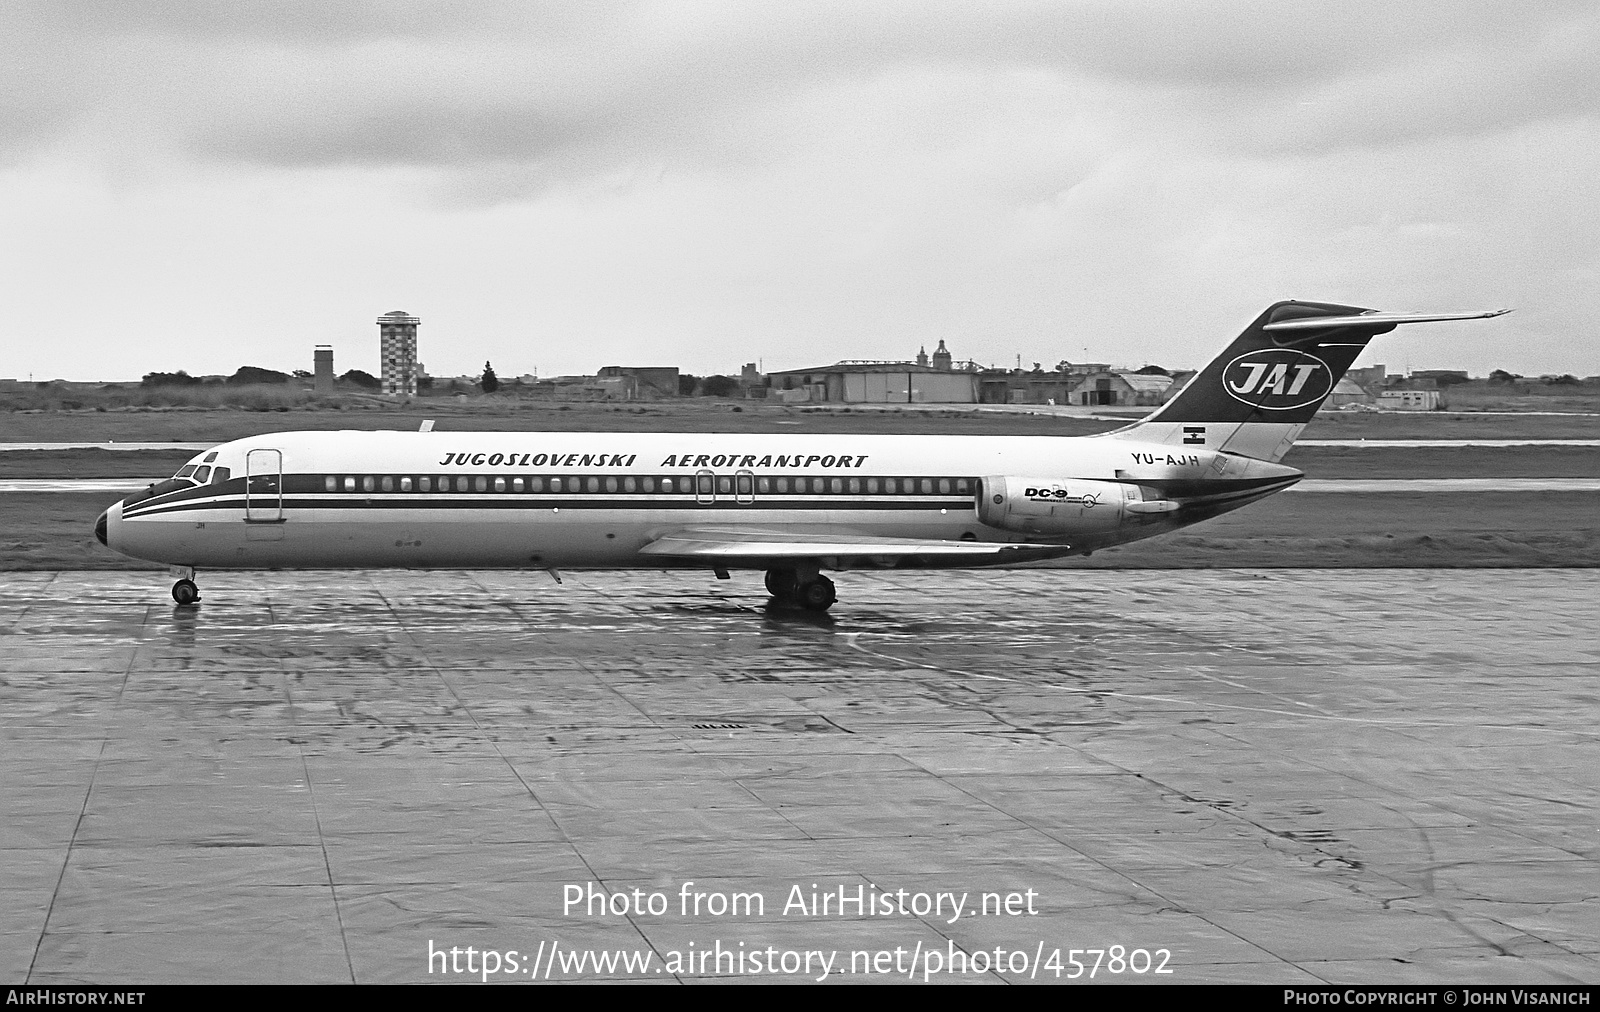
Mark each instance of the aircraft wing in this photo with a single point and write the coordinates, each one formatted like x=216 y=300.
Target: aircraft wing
x=722 y=543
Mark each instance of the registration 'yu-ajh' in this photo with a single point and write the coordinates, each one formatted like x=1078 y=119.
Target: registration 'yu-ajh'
x=795 y=506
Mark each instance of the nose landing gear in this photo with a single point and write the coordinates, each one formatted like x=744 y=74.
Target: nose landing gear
x=185 y=591
x=811 y=591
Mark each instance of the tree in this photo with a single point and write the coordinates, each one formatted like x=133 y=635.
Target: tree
x=719 y=386
x=1501 y=376
x=686 y=384
x=168 y=379
x=249 y=375
x=1151 y=370
x=490 y=382
x=359 y=378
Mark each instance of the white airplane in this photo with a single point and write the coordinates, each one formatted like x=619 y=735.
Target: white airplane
x=791 y=504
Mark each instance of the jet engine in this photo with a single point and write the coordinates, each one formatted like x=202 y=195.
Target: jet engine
x=1068 y=507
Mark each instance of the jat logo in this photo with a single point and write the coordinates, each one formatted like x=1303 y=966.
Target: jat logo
x=1277 y=379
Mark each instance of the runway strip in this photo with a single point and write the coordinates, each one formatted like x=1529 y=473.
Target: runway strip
x=1351 y=485
x=1407 y=444
x=1308 y=485
x=6 y=447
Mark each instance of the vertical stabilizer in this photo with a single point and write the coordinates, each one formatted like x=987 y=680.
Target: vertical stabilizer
x=1257 y=396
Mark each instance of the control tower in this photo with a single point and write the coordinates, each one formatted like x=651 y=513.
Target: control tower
x=398 y=333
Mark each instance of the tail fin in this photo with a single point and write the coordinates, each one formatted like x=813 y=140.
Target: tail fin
x=1257 y=396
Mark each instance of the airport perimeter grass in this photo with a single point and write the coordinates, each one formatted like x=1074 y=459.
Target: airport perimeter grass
x=216 y=423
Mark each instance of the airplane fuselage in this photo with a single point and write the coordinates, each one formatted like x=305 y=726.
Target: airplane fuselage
x=578 y=500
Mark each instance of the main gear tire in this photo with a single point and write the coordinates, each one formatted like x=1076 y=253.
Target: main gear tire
x=818 y=595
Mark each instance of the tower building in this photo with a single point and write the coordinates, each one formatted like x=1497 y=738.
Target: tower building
x=322 y=377
x=398 y=334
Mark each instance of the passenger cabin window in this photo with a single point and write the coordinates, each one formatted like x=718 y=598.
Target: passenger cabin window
x=349 y=483
x=424 y=484
x=405 y=483
x=387 y=484
x=499 y=484
x=369 y=484
x=480 y=483
x=330 y=484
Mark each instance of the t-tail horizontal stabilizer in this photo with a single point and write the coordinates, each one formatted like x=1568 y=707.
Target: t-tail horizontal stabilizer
x=1256 y=397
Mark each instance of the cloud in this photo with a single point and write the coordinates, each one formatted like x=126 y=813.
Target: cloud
x=679 y=182
x=570 y=89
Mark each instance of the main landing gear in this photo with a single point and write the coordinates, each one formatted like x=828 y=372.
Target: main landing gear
x=811 y=591
x=185 y=591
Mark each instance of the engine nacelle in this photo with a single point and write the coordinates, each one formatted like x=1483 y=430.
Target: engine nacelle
x=1064 y=507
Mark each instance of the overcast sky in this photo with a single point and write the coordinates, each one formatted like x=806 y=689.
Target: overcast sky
x=198 y=186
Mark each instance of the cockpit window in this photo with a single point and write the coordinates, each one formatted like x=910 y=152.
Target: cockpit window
x=220 y=475
x=202 y=474
x=185 y=471
x=210 y=457
x=159 y=488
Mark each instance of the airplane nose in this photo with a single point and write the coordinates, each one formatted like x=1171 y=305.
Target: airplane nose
x=100 y=527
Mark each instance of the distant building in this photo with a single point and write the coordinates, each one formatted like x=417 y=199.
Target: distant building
x=1119 y=389
x=1037 y=386
x=322 y=374
x=876 y=383
x=1410 y=400
x=398 y=336
x=1348 y=391
x=633 y=383
x=1372 y=378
